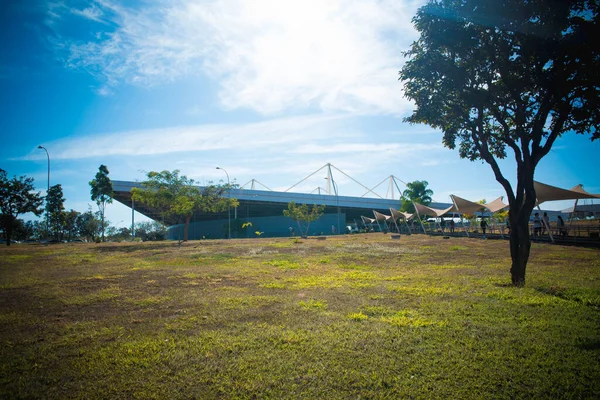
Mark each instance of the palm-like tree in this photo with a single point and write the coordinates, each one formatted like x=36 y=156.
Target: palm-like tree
x=416 y=192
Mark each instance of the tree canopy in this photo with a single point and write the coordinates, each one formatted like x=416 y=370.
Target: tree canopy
x=17 y=196
x=55 y=206
x=506 y=75
x=177 y=196
x=102 y=192
x=303 y=214
x=417 y=192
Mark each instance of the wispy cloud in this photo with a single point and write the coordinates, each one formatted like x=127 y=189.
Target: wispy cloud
x=93 y=13
x=269 y=56
x=284 y=132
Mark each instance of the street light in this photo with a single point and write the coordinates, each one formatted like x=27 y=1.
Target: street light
x=228 y=207
x=47 y=191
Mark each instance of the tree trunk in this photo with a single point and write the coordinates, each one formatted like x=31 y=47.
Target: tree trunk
x=8 y=228
x=186 y=228
x=102 y=218
x=519 y=214
x=519 y=249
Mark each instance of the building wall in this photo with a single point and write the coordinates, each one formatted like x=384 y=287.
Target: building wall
x=278 y=226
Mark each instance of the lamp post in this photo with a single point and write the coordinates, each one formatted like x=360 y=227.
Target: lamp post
x=228 y=207
x=47 y=191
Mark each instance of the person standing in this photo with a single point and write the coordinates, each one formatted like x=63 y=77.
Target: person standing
x=546 y=224
x=537 y=225
x=452 y=225
x=560 y=226
x=483 y=226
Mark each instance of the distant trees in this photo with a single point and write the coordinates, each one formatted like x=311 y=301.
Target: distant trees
x=417 y=192
x=102 y=193
x=303 y=214
x=69 y=220
x=178 y=197
x=149 y=230
x=88 y=225
x=17 y=196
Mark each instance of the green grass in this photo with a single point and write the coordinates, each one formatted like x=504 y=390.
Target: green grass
x=359 y=316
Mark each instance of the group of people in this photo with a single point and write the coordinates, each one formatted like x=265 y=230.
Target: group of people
x=541 y=225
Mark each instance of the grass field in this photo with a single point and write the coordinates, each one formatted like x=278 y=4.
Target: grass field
x=358 y=316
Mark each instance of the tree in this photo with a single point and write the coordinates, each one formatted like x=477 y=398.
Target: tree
x=175 y=196
x=17 y=196
x=102 y=193
x=88 y=224
x=498 y=75
x=415 y=192
x=302 y=213
x=147 y=230
x=55 y=205
x=70 y=223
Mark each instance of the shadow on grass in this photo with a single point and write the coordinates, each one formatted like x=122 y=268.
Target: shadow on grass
x=588 y=344
x=506 y=285
x=131 y=248
x=582 y=296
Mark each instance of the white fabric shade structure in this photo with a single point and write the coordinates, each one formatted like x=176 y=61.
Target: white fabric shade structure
x=468 y=207
x=545 y=192
x=464 y=206
x=431 y=212
x=381 y=217
x=396 y=215
x=401 y=215
x=496 y=205
x=367 y=220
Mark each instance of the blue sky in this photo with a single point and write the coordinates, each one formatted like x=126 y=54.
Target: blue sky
x=268 y=90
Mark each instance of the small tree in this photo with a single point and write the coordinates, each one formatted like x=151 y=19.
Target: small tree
x=55 y=205
x=102 y=193
x=302 y=213
x=175 y=196
x=17 y=196
x=498 y=75
x=70 y=223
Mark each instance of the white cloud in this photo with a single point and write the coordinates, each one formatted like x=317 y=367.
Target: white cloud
x=266 y=55
x=93 y=13
x=282 y=133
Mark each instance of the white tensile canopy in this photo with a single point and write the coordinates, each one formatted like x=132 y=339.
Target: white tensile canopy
x=468 y=207
x=545 y=192
x=367 y=220
x=381 y=217
x=431 y=212
x=396 y=215
x=496 y=205
x=401 y=215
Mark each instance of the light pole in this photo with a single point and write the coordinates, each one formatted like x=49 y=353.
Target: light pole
x=47 y=191
x=228 y=207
